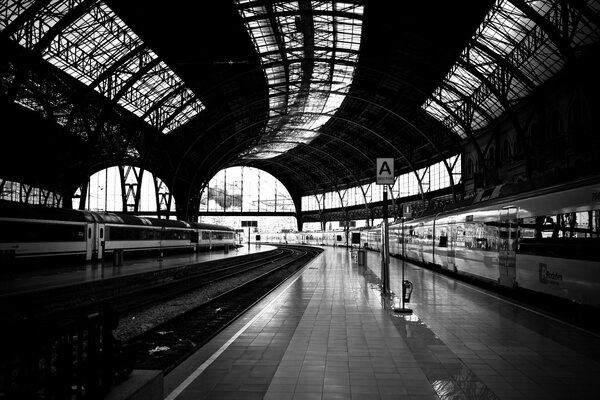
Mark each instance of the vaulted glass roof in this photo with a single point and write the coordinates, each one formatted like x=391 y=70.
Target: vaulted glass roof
x=515 y=39
x=308 y=54
x=309 y=91
x=89 y=42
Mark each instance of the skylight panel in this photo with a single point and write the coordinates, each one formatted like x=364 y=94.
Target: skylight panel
x=92 y=45
x=463 y=80
x=336 y=38
x=86 y=47
x=11 y=10
x=480 y=60
x=523 y=45
x=436 y=110
x=448 y=97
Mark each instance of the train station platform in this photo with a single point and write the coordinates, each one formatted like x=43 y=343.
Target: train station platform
x=328 y=333
x=15 y=280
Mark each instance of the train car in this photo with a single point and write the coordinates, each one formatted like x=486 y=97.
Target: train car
x=315 y=238
x=34 y=231
x=28 y=232
x=544 y=241
x=130 y=233
x=210 y=236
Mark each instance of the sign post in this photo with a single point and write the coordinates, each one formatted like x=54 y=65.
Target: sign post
x=249 y=224
x=406 y=285
x=385 y=246
x=385 y=176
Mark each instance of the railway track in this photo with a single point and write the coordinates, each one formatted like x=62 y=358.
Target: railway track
x=166 y=345
x=72 y=329
x=126 y=293
x=205 y=276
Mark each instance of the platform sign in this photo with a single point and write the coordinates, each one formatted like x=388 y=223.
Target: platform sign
x=250 y=224
x=385 y=171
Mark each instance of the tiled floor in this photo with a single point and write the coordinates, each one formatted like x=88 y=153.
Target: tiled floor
x=329 y=334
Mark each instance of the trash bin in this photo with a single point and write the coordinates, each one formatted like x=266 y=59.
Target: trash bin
x=407 y=288
x=361 y=257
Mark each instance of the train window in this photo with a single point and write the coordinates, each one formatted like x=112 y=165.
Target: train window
x=570 y=235
x=101 y=233
x=40 y=232
x=443 y=241
x=568 y=225
x=526 y=228
x=89 y=233
x=484 y=236
x=429 y=233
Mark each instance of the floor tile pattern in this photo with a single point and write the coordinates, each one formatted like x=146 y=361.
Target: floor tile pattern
x=332 y=335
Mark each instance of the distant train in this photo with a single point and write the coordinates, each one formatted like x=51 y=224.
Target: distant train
x=331 y=238
x=28 y=231
x=545 y=241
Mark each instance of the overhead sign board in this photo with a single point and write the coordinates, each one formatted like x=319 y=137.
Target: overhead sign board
x=385 y=171
x=249 y=223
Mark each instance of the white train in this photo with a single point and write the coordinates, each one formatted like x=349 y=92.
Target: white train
x=28 y=232
x=332 y=238
x=546 y=241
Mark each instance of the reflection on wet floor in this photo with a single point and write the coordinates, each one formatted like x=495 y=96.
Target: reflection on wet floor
x=448 y=375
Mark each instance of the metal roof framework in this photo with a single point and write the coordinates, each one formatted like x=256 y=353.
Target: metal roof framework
x=85 y=39
x=310 y=91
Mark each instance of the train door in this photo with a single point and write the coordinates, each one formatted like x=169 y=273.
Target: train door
x=94 y=241
x=508 y=230
x=452 y=244
x=90 y=239
x=100 y=240
x=194 y=239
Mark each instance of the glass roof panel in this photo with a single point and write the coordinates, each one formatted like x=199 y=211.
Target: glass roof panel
x=436 y=110
x=524 y=47
x=92 y=43
x=315 y=92
x=463 y=80
x=41 y=22
x=90 y=47
x=10 y=10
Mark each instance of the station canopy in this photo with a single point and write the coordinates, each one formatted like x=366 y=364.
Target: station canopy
x=312 y=92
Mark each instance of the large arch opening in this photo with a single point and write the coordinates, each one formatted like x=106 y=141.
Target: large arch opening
x=125 y=189
x=239 y=194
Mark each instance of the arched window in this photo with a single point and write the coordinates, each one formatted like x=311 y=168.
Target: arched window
x=105 y=191
x=247 y=190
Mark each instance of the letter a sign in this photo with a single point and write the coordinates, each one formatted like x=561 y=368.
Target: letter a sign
x=385 y=171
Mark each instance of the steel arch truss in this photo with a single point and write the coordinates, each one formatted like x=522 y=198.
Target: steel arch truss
x=85 y=39
x=519 y=45
x=308 y=51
